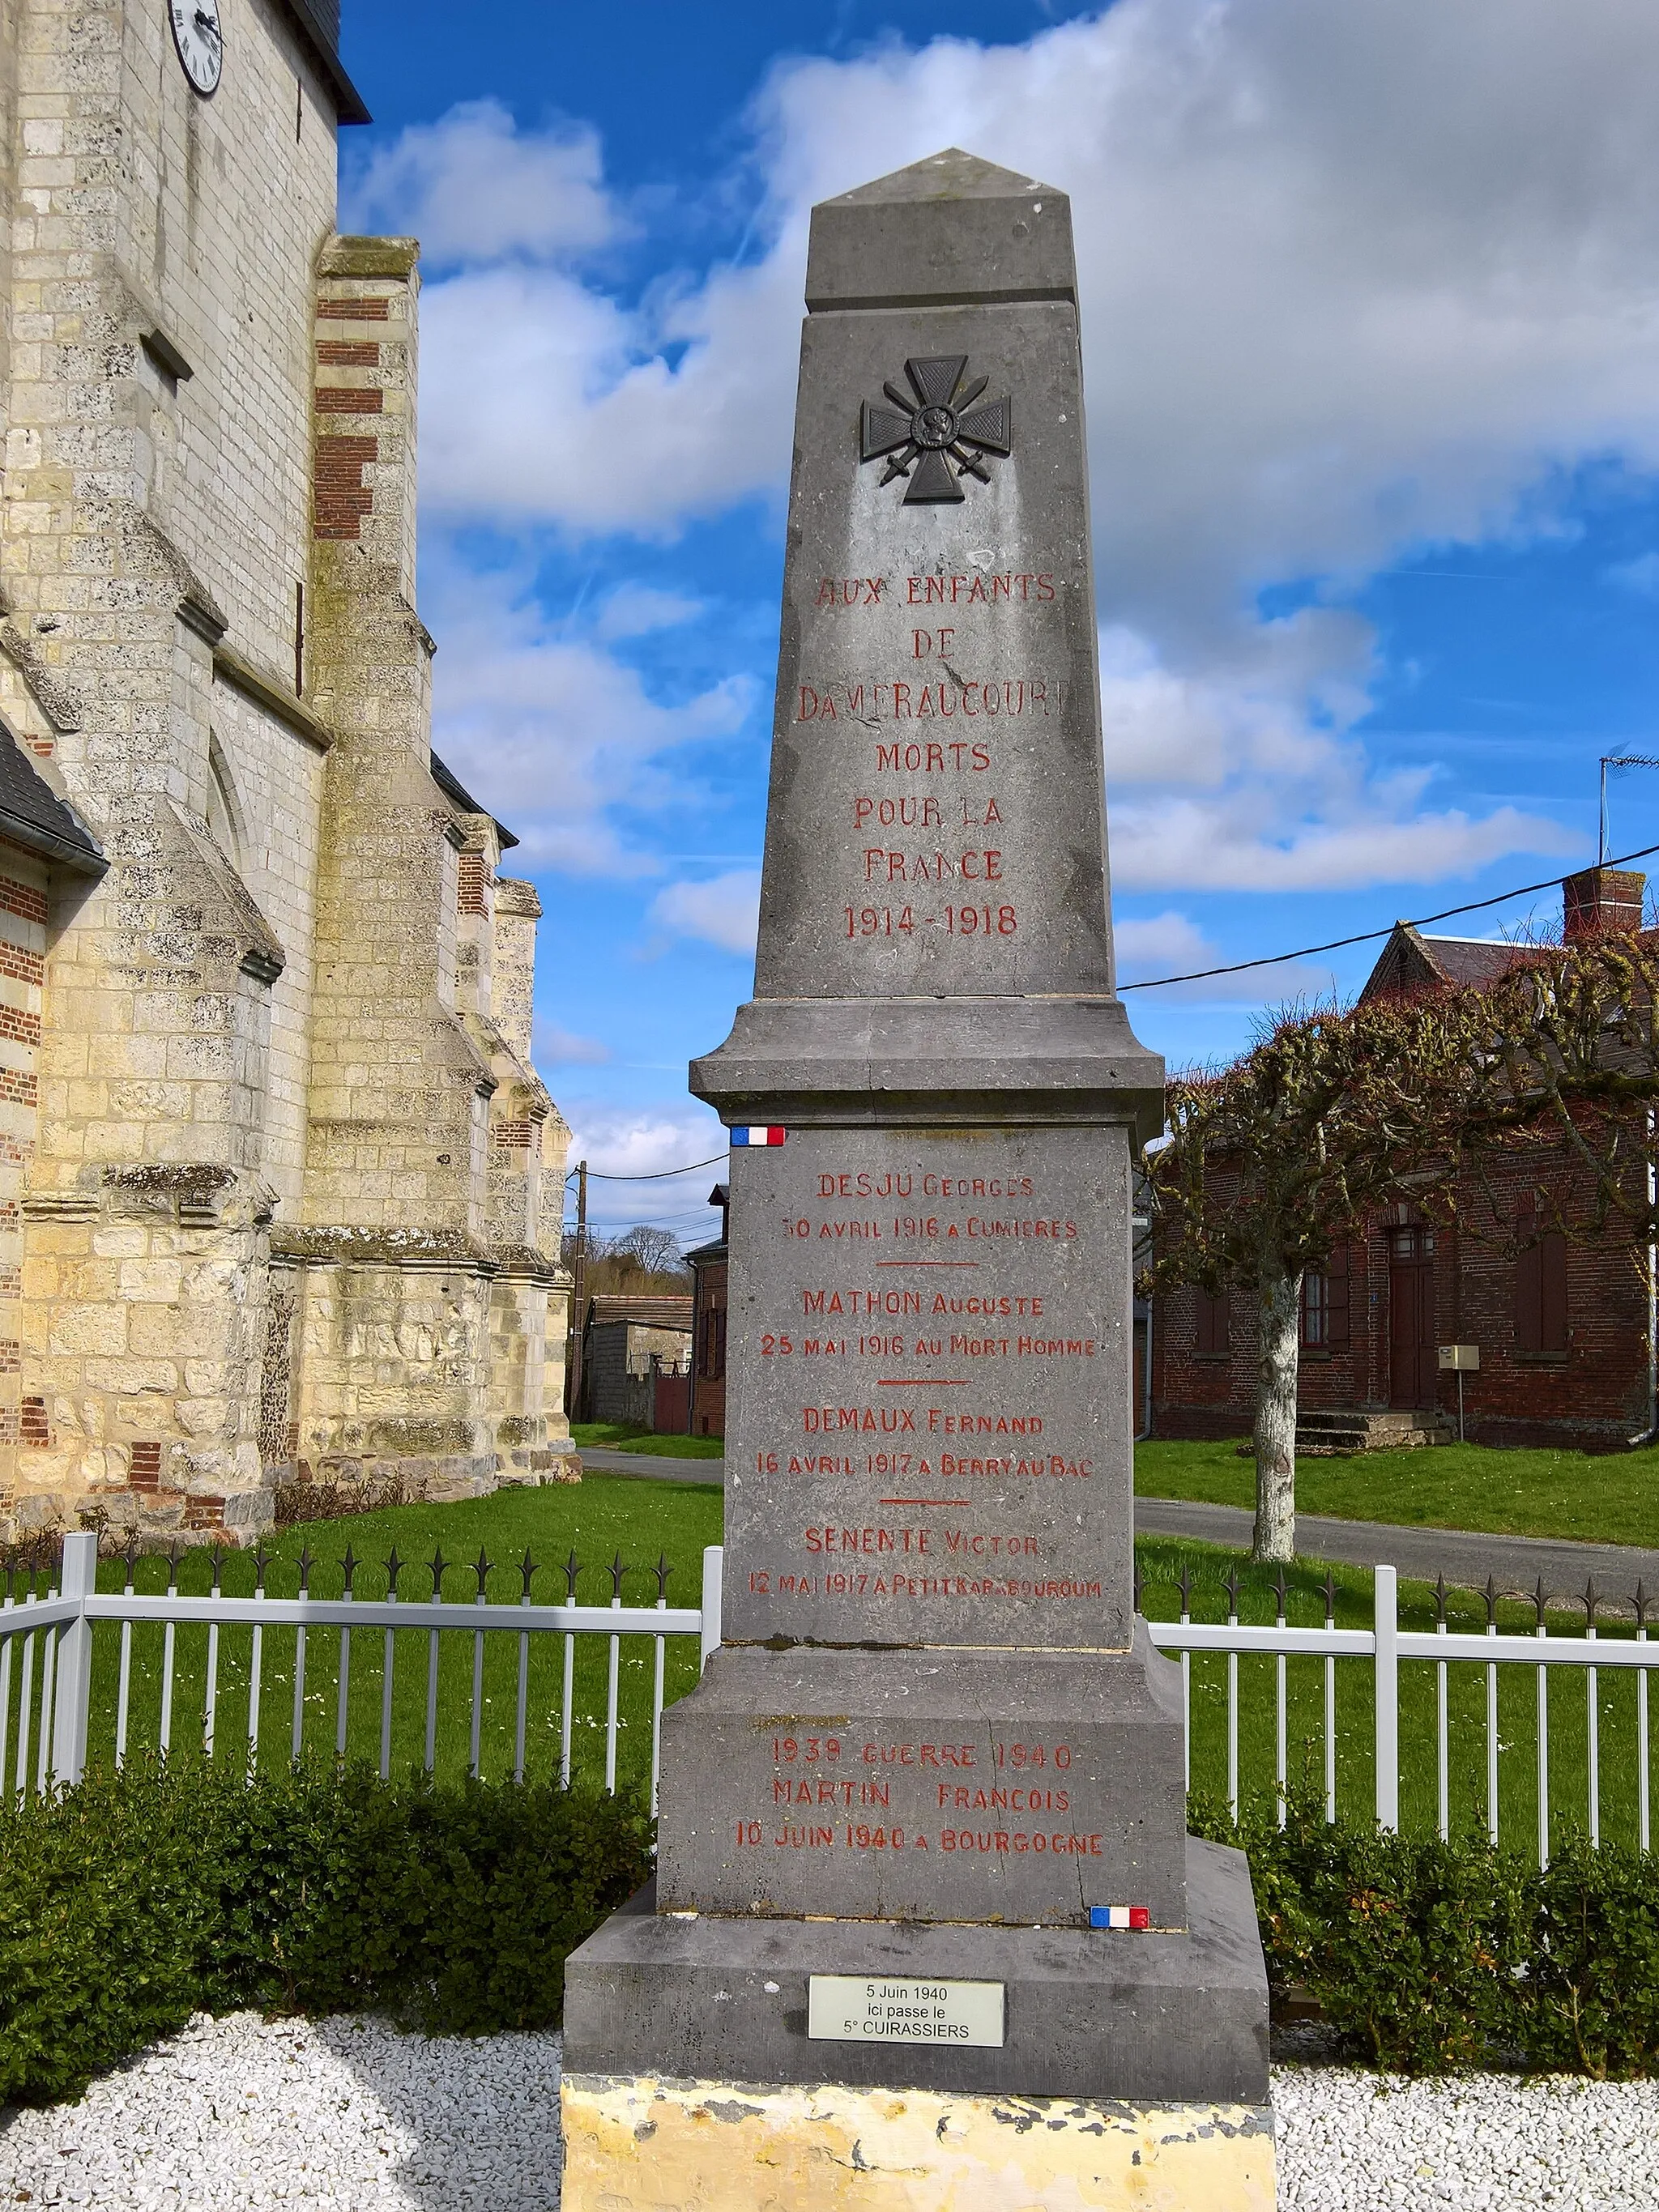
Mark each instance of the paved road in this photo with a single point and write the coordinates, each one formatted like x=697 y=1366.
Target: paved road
x=655 y=1466
x=1464 y=1557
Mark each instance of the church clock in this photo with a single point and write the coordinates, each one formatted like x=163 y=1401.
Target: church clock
x=200 y=42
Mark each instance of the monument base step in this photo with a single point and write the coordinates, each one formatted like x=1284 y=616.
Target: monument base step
x=1148 y=2020
x=716 y=2146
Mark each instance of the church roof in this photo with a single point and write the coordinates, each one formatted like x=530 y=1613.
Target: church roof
x=319 y=23
x=32 y=814
x=457 y=795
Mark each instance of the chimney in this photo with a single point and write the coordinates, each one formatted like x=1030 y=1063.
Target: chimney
x=1597 y=902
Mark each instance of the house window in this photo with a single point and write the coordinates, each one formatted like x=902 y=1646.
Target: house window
x=713 y=1343
x=1540 y=1287
x=1214 y=1340
x=1325 y=1304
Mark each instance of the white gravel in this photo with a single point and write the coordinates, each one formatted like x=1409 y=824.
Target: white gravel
x=348 y=2114
x=248 y=2113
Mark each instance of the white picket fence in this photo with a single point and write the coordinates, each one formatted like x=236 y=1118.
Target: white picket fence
x=1385 y=1644
x=51 y=1731
x=46 y=1652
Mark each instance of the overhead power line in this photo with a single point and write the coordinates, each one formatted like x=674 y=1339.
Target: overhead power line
x=661 y=1174
x=1370 y=936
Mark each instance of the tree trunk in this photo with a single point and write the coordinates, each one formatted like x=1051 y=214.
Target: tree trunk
x=1278 y=1303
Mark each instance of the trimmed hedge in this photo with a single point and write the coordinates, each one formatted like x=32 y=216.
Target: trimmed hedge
x=140 y=1898
x=1428 y=1956
x=137 y=1899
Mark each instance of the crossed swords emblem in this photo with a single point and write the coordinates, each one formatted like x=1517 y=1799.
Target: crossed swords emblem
x=945 y=422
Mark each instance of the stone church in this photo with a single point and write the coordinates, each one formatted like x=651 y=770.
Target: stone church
x=280 y=1191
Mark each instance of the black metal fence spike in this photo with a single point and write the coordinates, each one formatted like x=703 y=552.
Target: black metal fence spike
x=130 y=1558
x=1641 y=1606
x=481 y=1567
x=218 y=1566
x=1185 y=1586
x=1491 y=1596
x=307 y=1563
x=1280 y=1592
x=618 y=1570
x=572 y=1569
x=1440 y=1601
x=394 y=1567
x=174 y=1558
x=1591 y=1601
x=1540 y=1599
x=1231 y=1588
x=439 y=1563
x=350 y=1563
x=1330 y=1595
x=662 y=1572
x=527 y=1570
x=261 y=1561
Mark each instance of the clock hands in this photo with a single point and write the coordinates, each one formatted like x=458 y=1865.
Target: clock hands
x=208 y=23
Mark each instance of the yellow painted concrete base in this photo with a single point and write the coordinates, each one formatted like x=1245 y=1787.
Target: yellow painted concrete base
x=664 y=2145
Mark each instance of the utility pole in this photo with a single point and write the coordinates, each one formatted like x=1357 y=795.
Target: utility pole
x=573 y=1368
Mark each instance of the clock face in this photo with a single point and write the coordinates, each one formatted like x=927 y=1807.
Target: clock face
x=200 y=41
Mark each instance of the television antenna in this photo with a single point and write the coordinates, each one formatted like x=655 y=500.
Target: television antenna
x=1618 y=762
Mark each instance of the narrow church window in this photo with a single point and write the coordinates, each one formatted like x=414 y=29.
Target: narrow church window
x=299 y=641
x=224 y=814
x=299 y=105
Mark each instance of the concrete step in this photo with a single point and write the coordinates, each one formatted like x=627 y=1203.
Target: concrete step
x=1329 y=1433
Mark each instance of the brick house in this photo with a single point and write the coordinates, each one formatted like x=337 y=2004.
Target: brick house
x=1565 y=1330
x=709 y=1266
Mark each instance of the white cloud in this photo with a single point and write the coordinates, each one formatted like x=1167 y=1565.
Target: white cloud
x=623 y=1141
x=1241 y=844
x=724 y=910
x=1354 y=281
x=472 y=187
x=637 y=610
x=553 y=1046
x=551 y=730
x=1172 y=944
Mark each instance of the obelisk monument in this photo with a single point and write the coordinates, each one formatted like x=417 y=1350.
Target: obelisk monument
x=923 y=1820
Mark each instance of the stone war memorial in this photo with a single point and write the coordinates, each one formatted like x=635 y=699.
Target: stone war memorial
x=927 y=1929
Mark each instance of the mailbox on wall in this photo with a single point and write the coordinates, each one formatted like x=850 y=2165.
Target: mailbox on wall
x=1461 y=1359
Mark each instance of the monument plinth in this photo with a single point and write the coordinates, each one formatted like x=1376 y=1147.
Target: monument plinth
x=923 y=1825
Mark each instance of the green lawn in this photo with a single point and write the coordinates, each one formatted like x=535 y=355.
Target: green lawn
x=618 y=1436
x=602 y=1518
x=1609 y=1498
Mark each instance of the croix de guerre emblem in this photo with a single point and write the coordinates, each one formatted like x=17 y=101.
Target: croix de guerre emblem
x=945 y=422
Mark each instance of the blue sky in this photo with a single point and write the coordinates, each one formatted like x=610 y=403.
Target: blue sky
x=1370 y=312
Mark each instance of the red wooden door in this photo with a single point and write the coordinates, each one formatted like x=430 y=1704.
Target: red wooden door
x=1413 y=1361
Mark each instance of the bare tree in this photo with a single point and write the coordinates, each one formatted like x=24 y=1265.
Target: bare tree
x=657 y=1250
x=1271 y=1163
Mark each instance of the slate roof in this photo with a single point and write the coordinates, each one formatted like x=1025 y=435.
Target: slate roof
x=319 y=22
x=457 y=795
x=1410 y=959
x=32 y=814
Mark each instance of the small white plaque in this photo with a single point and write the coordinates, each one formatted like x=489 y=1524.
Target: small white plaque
x=883 y=2009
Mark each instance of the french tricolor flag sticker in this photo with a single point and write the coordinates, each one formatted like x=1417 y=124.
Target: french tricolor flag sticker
x=1119 y=1916
x=743 y=1137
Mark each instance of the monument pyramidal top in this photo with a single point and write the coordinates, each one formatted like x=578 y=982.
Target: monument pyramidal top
x=956 y=229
